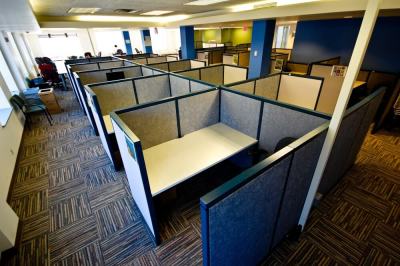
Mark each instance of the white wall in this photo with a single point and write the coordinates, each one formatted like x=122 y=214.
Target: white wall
x=105 y=39
x=165 y=40
x=136 y=40
x=10 y=139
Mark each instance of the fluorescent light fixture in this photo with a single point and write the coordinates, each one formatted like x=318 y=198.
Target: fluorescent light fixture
x=293 y=2
x=205 y=2
x=268 y=3
x=131 y=18
x=83 y=10
x=156 y=13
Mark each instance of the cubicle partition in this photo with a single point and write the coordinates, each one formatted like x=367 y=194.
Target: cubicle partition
x=134 y=56
x=237 y=58
x=114 y=62
x=210 y=56
x=180 y=65
x=299 y=90
x=217 y=74
x=155 y=59
x=83 y=78
x=105 y=97
x=283 y=51
x=259 y=207
x=167 y=142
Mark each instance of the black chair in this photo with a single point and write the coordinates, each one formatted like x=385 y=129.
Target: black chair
x=29 y=107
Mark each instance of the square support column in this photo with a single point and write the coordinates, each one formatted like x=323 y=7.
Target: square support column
x=261 y=47
x=187 y=42
x=146 y=39
x=127 y=41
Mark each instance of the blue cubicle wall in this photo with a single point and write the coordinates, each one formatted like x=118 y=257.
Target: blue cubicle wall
x=245 y=218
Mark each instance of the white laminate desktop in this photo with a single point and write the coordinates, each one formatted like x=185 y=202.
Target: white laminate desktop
x=358 y=83
x=107 y=122
x=175 y=161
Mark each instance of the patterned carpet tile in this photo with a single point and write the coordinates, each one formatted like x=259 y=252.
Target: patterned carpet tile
x=100 y=176
x=367 y=201
x=31 y=170
x=31 y=186
x=34 y=226
x=126 y=245
x=393 y=218
x=377 y=257
x=68 y=211
x=336 y=242
x=83 y=135
x=63 y=151
x=71 y=238
x=65 y=191
x=30 y=204
x=353 y=220
x=147 y=259
x=309 y=253
x=387 y=239
x=107 y=194
x=115 y=216
x=32 y=150
x=87 y=256
x=91 y=152
x=64 y=172
x=171 y=223
x=34 y=251
x=377 y=185
x=183 y=249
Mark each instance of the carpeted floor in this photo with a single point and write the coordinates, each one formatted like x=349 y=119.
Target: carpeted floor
x=76 y=210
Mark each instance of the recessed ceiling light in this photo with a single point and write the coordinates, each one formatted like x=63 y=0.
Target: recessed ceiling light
x=83 y=10
x=165 y=19
x=156 y=13
x=205 y=2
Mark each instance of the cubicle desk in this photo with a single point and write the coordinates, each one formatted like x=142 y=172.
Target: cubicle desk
x=108 y=124
x=175 y=161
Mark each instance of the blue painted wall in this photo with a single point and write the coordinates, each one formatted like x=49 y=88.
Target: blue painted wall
x=261 y=41
x=148 y=48
x=321 y=39
x=187 y=42
x=127 y=41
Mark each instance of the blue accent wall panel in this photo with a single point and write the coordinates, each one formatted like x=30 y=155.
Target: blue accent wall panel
x=321 y=39
x=187 y=42
x=146 y=34
x=127 y=41
x=261 y=43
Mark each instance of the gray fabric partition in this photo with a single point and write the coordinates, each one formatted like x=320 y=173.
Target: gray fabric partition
x=240 y=225
x=153 y=125
x=268 y=87
x=93 y=76
x=213 y=75
x=196 y=86
x=240 y=112
x=158 y=59
x=116 y=95
x=194 y=74
x=247 y=87
x=130 y=72
x=336 y=165
x=147 y=71
x=111 y=64
x=301 y=173
x=161 y=66
x=84 y=67
x=348 y=142
x=179 y=65
x=159 y=85
x=279 y=122
x=198 y=111
x=179 y=86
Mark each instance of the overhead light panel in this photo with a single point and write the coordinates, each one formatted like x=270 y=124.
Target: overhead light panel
x=156 y=13
x=83 y=10
x=124 y=11
x=268 y=3
x=205 y=2
x=165 y=19
x=293 y=2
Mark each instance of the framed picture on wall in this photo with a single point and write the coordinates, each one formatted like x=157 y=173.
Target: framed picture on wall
x=338 y=71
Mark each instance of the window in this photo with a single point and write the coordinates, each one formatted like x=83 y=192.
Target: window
x=60 y=46
x=281 y=36
x=5 y=109
x=105 y=41
x=165 y=41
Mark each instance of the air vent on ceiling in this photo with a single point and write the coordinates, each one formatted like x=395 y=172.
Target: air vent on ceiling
x=83 y=10
x=125 y=11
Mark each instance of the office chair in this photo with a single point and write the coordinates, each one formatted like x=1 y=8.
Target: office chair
x=29 y=107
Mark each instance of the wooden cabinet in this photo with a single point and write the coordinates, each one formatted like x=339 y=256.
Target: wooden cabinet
x=49 y=99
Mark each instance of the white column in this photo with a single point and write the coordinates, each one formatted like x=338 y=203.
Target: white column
x=23 y=53
x=7 y=82
x=356 y=61
x=30 y=53
x=11 y=62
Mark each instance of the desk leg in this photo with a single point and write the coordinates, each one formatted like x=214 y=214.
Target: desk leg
x=62 y=76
